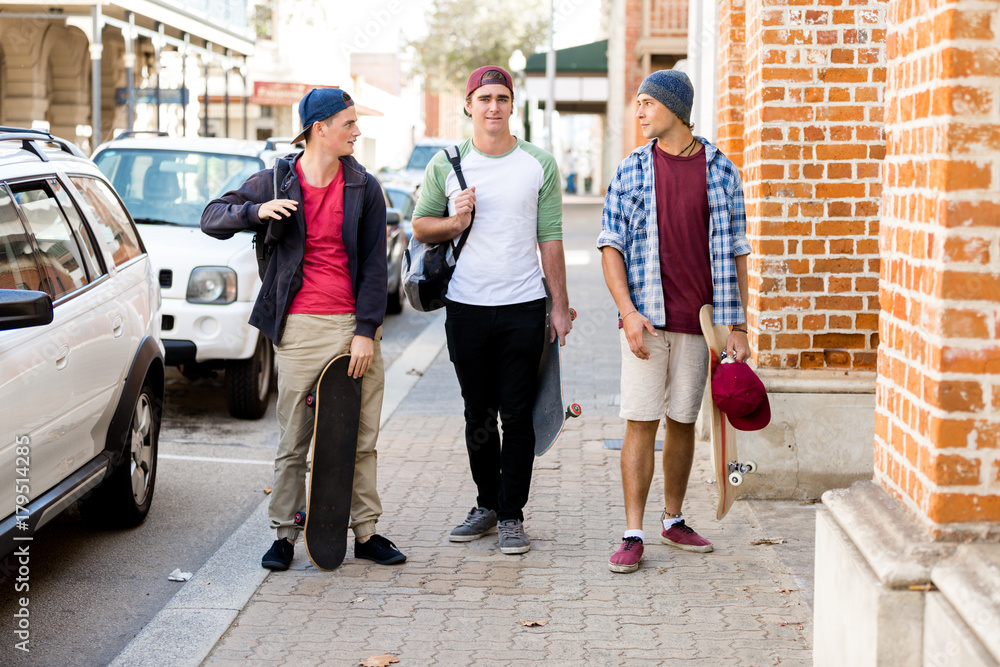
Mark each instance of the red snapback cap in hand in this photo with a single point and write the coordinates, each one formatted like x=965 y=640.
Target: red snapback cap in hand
x=739 y=393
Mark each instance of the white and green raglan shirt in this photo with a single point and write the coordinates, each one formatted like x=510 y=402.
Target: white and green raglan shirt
x=518 y=205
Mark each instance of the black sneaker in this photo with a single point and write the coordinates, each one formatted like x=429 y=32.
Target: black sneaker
x=378 y=549
x=279 y=556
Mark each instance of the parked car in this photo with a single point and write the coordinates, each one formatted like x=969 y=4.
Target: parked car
x=403 y=199
x=397 y=238
x=412 y=175
x=208 y=286
x=81 y=363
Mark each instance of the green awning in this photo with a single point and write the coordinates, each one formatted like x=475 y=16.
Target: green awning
x=586 y=58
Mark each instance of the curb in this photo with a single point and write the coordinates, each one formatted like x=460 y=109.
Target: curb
x=186 y=630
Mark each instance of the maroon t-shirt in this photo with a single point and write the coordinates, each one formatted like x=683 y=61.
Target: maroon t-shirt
x=682 y=220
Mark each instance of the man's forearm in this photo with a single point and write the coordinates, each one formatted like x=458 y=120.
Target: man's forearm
x=741 y=279
x=436 y=230
x=616 y=277
x=554 y=266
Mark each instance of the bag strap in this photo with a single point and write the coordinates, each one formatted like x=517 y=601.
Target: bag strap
x=456 y=163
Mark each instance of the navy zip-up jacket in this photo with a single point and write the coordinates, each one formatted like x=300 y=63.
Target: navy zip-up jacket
x=364 y=238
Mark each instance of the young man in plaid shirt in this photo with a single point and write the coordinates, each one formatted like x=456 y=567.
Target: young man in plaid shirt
x=673 y=238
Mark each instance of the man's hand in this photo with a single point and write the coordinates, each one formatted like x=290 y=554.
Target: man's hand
x=560 y=324
x=465 y=201
x=277 y=209
x=362 y=353
x=633 y=323
x=737 y=346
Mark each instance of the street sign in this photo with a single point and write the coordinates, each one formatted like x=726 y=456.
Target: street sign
x=148 y=96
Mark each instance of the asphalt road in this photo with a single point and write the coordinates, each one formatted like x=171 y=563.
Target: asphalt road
x=91 y=591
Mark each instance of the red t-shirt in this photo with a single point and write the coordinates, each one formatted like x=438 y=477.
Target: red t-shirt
x=682 y=218
x=326 y=278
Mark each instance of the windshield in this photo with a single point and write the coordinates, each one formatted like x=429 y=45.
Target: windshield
x=422 y=155
x=400 y=200
x=172 y=187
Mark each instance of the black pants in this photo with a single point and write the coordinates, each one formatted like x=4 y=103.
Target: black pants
x=496 y=351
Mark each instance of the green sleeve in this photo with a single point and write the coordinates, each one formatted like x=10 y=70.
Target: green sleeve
x=433 y=200
x=549 y=196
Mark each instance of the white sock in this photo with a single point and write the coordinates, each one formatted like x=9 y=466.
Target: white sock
x=668 y=523
x=635 y=533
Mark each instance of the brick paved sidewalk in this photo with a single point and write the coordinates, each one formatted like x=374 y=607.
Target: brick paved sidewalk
x=462 y=604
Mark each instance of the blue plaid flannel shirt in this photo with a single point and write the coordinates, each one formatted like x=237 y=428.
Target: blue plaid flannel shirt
x=631 y=201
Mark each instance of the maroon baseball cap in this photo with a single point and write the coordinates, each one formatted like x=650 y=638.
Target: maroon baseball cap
x=487 y=75
x=739 y=393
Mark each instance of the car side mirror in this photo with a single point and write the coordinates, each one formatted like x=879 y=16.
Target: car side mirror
x=392 y=216
x=20 y=309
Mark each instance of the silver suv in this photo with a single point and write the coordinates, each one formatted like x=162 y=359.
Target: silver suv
x=81 y=363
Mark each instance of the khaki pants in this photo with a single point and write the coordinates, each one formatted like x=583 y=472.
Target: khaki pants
x=308 y=344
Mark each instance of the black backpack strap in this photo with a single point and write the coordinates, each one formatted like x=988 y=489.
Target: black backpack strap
x=456 y=163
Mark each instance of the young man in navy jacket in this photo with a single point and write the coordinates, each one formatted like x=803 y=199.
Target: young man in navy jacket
x=323 y=295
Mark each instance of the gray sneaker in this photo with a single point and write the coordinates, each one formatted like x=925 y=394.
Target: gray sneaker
x=512 y=537
x=479 y=522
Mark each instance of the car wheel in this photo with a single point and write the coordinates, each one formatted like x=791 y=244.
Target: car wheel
x=124 y=498
x=248 y=382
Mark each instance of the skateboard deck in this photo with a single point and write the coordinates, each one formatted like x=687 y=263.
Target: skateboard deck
x=725 y=459
x=550 y=412
x=337 y=402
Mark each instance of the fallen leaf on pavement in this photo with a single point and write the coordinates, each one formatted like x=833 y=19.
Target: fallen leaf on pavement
x=812 y=501
x=267 y=491
x=787 y=591
x=357 y=600
x=532 y=624
x=774 y=540
x=414 y=371
x=383 y=660
x=926 y=588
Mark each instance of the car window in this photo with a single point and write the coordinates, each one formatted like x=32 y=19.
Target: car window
x=110 y=218
x=59 y=254
x=421 y=155
x=172 y=187
x=17 y=263
x=402 y=201
x=83 y=235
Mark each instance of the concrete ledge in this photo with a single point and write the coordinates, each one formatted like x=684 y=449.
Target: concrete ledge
x=948 y=640
x=778 y=381
x=815 y=442
x=892 y=543
x=857 y=620
x=969 y=582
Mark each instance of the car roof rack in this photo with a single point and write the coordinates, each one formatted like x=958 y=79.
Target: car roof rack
x=128 y=134
x=30 y=140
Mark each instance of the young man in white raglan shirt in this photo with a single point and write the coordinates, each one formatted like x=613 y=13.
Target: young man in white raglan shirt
x=496 y=300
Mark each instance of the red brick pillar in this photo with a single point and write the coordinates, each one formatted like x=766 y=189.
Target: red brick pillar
x=731 y=72
x=812 y=169
x=937 y=428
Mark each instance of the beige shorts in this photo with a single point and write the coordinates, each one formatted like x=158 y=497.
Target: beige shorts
x=671 y=382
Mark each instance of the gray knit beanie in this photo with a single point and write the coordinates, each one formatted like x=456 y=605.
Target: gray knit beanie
x=673 y=89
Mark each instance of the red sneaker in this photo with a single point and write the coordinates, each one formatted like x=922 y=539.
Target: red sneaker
x=627 y=558
x=681 y=536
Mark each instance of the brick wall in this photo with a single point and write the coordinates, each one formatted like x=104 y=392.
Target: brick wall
x=812 y=169
x=732 y=55
x=634 y=74
x=938 y=395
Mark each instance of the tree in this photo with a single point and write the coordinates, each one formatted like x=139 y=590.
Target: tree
x=463 y=35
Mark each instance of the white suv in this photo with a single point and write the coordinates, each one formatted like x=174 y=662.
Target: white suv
x=81 y=363
x=208 y=286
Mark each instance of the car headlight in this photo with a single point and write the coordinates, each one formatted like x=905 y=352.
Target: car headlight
x=212 y=284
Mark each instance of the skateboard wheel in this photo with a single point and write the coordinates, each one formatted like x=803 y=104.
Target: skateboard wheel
x=300 y=518
x=310 y=400
x=736 y=478
x=749 y=467
x=572 y=314
x=575 y=410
